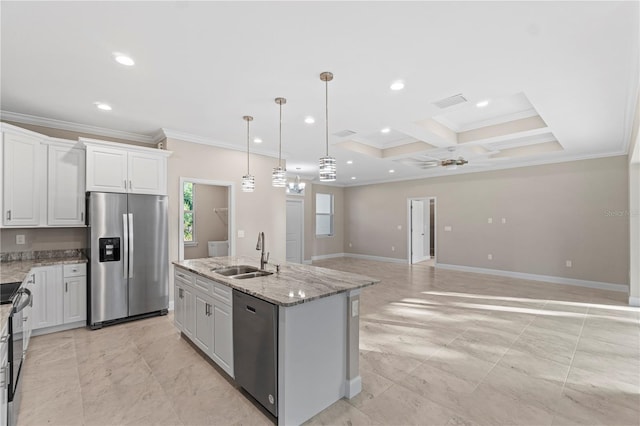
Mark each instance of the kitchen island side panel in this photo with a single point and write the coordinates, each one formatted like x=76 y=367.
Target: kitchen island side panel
x=312 y=357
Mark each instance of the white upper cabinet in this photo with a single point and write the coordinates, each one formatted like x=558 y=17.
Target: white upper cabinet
x=114 y=167
x=65 y=185
x=22 y=165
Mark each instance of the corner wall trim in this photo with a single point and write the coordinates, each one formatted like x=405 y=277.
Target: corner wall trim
x=171 y=305
x=634 y=301
x=535 y=277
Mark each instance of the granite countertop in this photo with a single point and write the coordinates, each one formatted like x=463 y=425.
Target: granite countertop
x=293 y=285
x=17 y=270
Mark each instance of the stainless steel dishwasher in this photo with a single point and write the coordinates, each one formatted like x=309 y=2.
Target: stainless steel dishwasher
x=255 y=348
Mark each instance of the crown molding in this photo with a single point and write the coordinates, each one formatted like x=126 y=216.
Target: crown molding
x=202 y=140
x=74 y=127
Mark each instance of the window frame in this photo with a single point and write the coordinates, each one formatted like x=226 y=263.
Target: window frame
x=331 y=215
x=193 y=241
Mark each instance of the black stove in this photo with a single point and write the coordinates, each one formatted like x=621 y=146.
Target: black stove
x=7 y=290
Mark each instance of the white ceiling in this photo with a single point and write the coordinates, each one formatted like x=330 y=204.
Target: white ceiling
x=201 y=66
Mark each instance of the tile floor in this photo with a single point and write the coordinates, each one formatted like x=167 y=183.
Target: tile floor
x=437 y=348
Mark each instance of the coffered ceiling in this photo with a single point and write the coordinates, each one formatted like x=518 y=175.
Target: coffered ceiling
x=500 y=84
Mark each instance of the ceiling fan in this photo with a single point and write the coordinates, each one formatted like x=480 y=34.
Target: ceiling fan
x=446 y=159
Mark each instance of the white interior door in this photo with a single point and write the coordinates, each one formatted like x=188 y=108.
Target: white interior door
x=417 y=231
x=295 y=221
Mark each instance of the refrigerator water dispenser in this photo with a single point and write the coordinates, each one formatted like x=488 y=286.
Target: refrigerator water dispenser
x=109 y=249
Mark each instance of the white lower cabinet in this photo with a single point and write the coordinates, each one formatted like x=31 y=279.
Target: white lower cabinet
x=59 y=297
x=205 y=319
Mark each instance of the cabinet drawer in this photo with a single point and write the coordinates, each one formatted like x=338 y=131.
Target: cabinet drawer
x=75 y=270
x=184 y=277
x=222 y=293
x=204 y=285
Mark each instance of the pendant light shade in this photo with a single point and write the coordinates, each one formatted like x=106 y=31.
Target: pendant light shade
x=248 y=181
x=279 y=174
x=327 y=163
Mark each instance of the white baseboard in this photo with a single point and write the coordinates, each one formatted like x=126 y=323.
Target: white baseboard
x=56 y=328
x=327 y=256
x=307 y=262
x=356 y=256
x=378 y=258
x=535 y=277
x=634 y=301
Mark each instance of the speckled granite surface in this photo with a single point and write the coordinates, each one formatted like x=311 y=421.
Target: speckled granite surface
x=294 y=284
x=40 y=254
x=17 y=270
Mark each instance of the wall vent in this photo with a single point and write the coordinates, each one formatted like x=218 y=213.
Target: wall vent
x=450 y=101
x=344 y=133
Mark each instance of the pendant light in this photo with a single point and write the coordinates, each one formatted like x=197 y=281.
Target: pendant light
x=327 y=164
x=278 y=176
x=248 y=181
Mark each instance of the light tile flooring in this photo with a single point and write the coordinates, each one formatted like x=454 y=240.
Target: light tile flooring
x=437 y=348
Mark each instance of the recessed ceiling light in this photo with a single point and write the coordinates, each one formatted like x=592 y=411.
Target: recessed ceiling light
x=353 y=178
x=349 y=162
x=124 y=59
x=257 y=140
x=392 y=171
x=103 y=106
x=482 y=104
x=397 y=85
x=385 y=130
x=309 y=120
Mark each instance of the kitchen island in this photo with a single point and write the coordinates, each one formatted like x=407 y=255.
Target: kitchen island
x=317 y=330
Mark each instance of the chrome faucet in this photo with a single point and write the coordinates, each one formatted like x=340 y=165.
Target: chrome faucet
x=260 y=246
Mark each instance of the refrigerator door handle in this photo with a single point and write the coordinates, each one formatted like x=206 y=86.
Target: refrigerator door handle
x=130 y=245
x=125 y=245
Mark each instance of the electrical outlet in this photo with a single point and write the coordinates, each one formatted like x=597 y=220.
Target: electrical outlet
x=240 y=233
x=490 y=256
x=399 y=227
x=350 y=245
x=20 y=239
x=393 y=248
x=355 y=308
x=504 y=220
x=490 y=220
x=568 y=263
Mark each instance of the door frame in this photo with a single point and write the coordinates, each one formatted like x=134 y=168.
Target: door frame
x=301 y=202
x=427 y=200
x=231 y=202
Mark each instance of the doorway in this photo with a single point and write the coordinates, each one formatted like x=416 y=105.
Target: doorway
x=421 y=230
x=206 y=219
x=295 y=231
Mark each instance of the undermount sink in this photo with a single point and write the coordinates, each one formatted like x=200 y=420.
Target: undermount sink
x=235 y=270
x=251 y=275
x=241 y=272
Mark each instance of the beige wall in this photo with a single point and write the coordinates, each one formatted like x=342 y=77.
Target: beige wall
x=210 y=226
x=320 y=246
x=262 y=210
x=43 y=239
x=554 y=213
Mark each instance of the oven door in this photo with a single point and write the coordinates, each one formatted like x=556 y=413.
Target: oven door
x=21 y=300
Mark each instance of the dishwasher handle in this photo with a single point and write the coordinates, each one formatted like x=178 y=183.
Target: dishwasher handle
x=251 y=309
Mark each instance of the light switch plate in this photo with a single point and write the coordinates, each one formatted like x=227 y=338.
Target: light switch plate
x=240 y=233
x=447 y=228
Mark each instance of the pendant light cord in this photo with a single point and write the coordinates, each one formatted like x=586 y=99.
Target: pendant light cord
x=280 y=141
x=247 y=147
x=326 y=120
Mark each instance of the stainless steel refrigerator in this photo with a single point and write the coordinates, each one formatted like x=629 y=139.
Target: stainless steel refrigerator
x=128 y=257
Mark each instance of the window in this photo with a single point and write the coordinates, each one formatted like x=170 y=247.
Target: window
x=324 y=215
x=188 y=215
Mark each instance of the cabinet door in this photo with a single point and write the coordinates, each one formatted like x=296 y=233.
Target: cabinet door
x=106 y=169
x=47 y=297
x=189 y=312
x=178 y=306
x=75 y=299
x=203 y=333
x=22 y=175
x=66 y=186
x=147 y=173
x=223 y=337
